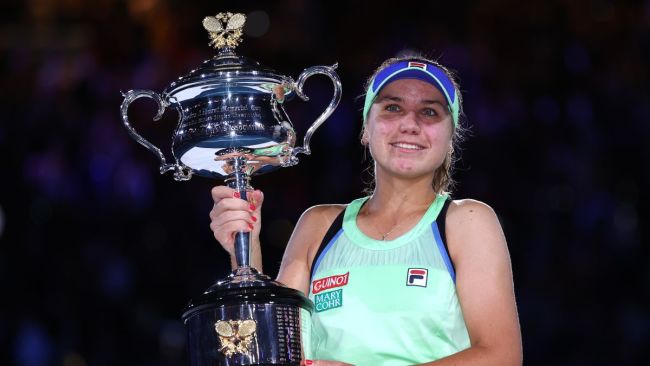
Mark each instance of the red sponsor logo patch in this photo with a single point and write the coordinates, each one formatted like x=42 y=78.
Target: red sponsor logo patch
x=418 y=65
x=329 y=282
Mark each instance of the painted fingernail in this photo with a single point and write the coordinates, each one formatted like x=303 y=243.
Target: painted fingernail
x=252 y=207
x=309 y=362
x=254 y=218
x=236 y=195
x=250 y=226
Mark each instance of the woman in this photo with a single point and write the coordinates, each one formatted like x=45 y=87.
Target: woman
x=406 y=275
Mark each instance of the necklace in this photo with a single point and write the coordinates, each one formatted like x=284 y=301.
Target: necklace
x=396 y=225
x=393 y=228
x=384 y=236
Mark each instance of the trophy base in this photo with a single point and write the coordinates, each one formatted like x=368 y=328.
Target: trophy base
x=248 y=319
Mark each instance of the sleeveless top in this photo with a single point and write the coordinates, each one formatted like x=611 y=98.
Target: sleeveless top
x=385 y=302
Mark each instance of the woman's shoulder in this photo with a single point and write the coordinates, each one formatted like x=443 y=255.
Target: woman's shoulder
x=313 y=225
x=322 y=214
x=469 y=209
x=471 y=223
x=470 y=217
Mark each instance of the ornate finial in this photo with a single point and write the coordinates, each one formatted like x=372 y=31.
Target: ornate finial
x=228 y=36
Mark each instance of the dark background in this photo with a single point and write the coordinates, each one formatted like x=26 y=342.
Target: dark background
x=99 y=253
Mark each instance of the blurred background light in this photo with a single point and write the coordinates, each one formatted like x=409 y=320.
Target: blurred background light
x=3 y=220
x=257 y=23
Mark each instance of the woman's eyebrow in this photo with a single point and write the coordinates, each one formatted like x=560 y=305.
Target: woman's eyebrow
x=430 y=101
x=388 y=97
x=394 y=98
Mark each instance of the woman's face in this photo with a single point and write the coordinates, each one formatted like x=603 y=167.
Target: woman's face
x=409 y=129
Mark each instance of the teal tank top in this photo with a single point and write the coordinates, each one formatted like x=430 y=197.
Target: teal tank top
x=385 y=302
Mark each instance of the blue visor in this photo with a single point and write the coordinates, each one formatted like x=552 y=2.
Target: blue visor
x=414 y=70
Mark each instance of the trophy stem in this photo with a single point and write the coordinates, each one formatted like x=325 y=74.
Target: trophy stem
x=239 y=181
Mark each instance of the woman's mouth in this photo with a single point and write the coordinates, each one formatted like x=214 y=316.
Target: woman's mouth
x=406 y=146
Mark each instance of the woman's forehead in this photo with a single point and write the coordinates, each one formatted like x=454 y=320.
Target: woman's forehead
x=412 y=89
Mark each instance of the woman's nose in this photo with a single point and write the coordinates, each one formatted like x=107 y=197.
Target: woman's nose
x=409 y=124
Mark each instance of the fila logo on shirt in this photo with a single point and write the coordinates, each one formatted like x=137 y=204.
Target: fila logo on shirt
x=417 y=277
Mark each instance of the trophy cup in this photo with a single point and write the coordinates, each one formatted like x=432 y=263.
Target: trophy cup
x=232 y=125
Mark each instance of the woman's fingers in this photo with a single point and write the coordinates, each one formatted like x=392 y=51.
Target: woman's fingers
x=236 y=216
x=225 y=233
x=228 y=205
x=225 y=224
x=220 y=192
x=256 y=198
x=230 y=214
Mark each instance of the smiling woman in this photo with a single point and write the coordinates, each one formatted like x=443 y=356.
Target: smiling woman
x=446 y=101
x=405 y=275
x=409 y=129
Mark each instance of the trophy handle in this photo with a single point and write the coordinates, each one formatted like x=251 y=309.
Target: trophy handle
x=180 y=173
x=327 y=71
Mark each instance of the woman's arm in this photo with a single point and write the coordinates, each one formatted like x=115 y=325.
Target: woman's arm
x=303 y=244
x=230 y=214
x=484 y=285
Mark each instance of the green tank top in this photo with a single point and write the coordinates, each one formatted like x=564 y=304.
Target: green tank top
x=385 y=302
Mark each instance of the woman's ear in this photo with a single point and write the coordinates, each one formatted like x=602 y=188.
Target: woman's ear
x=364 y=137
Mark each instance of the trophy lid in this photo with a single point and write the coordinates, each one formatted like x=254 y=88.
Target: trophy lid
x=226 y=73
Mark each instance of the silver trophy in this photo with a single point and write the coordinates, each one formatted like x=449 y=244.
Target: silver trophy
x=232 y=125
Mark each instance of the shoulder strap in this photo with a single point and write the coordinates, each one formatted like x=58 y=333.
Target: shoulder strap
x=440 y=221
x=337 y=225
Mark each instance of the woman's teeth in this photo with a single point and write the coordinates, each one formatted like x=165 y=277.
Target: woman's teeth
x=403 y=145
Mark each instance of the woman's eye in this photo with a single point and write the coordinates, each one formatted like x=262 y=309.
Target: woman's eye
x=429 y=112
x=392 y=108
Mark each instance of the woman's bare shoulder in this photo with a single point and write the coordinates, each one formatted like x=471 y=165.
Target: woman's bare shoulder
x=468 y=210
x=473 y=228
x=322 y=214
x=303 y=244
x=313 y=225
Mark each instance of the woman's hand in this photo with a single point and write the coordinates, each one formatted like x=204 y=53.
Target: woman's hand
x=230 y=214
